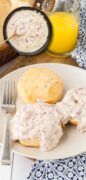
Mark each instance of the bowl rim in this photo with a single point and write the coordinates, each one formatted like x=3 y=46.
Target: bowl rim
x=48 y=25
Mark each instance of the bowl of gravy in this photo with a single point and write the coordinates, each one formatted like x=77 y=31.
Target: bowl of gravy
x=30 y=30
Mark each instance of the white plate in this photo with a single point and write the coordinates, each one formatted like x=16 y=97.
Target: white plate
x=72 y=143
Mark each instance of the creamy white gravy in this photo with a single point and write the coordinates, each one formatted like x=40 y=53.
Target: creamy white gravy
x=73 y=105
x=31 y=29
x=39 y=121
x=42 y=121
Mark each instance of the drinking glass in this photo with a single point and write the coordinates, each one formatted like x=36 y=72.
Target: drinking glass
x=65 y=25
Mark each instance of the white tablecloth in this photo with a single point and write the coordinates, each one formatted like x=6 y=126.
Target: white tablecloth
x=20 y=171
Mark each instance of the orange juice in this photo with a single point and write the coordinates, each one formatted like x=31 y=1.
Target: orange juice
x=65 y=32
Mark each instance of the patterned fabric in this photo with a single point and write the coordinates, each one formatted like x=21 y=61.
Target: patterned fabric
x=73 y=168
x=79 y=53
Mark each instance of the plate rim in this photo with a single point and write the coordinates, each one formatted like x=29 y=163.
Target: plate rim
x=37 y=65
x=31 y=65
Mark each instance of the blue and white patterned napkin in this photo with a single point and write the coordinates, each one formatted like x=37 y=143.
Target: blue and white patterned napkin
x=73 y=168
x=79 y=53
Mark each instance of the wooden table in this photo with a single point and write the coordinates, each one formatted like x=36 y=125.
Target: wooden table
x=22 y=61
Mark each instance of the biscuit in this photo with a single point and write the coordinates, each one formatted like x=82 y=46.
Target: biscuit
x=37 y=125
x=74 y=121
x=40 y=84
x=30 y=143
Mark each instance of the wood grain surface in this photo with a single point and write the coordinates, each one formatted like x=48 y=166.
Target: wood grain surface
x=22 y=61
x=6 y=53
x=5 y=7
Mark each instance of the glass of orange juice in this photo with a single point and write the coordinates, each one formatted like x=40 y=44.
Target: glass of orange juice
x=65 y=26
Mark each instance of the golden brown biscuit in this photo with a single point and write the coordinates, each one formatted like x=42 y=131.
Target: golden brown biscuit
x=30 y=142
x=40 y=83
x=37 y=125
x=74 y=121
